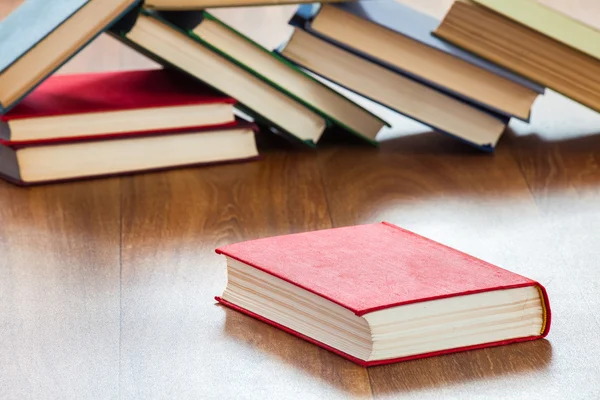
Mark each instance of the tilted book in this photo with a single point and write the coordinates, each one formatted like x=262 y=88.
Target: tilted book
x=441 y=111
x=175 y=47
x=549 y=22
x=277 y=72
x=378 y=294
x=40 y=36
x=400 y=38
x=523 y=49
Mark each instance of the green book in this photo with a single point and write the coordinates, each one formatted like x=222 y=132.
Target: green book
x=174 y=48
x=277 y=72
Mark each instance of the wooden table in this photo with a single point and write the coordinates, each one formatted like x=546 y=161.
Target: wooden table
x=106 y=286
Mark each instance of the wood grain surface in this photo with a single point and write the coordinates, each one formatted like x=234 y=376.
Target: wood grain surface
x=107 y=286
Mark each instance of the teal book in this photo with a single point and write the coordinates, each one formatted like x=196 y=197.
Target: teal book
x=40 y=36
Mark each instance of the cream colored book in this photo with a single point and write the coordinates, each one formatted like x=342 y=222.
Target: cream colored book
x=549 y=22
x=518 y=48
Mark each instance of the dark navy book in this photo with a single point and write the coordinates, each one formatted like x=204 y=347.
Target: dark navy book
x=336 y=79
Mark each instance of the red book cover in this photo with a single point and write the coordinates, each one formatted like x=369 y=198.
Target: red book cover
x=63 y=95
x=372 y=267
x=113 y=91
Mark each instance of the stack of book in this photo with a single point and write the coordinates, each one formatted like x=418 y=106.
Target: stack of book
x=56 y=128
x=76 y=126
x=53 y=128
x=336 y=288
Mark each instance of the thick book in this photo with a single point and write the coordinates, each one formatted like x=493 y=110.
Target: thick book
x=174 y=47
x=108 y=104
x=377 y=294
x=400 y=39
x=40 y=36
x=517 y=47
x=278 y=72
x=549 y=22
x=202 y=4
x=85 y=159
x=476 y=126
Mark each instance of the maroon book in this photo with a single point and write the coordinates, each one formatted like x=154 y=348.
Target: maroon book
x=110 y=104
x=92 y=158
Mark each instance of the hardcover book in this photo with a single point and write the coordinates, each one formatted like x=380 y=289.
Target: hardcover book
x=549 y=22
x=517 y=47
x=175 y=47
x=40 y=36
x=475 y=126
x=108 y=104
x=377 y=294
x=278 y=72
x=400 y=39
x=84 y=159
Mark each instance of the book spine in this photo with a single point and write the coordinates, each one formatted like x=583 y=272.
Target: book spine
x=5 y=131
x=547 y=309
x=9 y=164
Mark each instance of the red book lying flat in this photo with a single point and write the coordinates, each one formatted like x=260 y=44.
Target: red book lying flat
x=377 y=294
x=57 y=162
x=83 y=106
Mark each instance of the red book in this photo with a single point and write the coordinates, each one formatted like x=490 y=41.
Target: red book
x=110 y=104
x=377 y=294
x=94 y=158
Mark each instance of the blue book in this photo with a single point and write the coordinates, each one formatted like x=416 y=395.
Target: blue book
x=41 y=35
x=400 y=39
